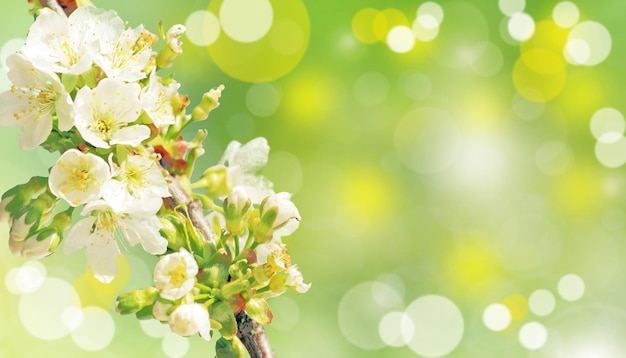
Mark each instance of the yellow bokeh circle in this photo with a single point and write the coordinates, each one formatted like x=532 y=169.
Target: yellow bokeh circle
x=370 y=25
x=535 y=86
x=272 y=55
x=363 y=25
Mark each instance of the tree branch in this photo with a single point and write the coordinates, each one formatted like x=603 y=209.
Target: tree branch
x=251 y=333
x=193 y=206
x=253 y=337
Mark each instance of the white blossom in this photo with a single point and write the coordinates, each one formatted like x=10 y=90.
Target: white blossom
x=156 y=100
x=127 y=56
x=175 y=274
x=100 y=232
x=243 y=163
x=104 y=114
x=33 y=99
x=78 y=177
x=59 y=44
x=136 y=185
x=287 y=217
x=189 y=319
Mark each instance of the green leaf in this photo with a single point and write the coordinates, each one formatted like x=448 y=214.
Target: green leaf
x=220 y=311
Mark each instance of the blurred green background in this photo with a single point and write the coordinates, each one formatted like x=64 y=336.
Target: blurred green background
x=454 y=163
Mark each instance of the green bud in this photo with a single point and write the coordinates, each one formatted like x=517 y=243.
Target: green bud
x=21 y=195
x=136 y=300
x=216 y=181
x=259 y=310
x=172 y=231
x=236 y=206
x=230 y=348
x=173 y=47
x=209 y=102
x=40 y=208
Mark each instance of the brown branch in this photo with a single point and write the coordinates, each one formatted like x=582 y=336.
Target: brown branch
x=194 y=208
x=253 y=337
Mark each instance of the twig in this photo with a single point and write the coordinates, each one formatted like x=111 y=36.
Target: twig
x=193 y=206
x=253 y=337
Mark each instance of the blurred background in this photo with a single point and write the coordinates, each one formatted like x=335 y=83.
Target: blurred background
x=454 y=162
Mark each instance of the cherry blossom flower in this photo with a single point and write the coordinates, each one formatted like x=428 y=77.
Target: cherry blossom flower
x=78 y=177
x=126 y=57
x=189 y=319
x=175 y=274
x=34 y=98
x=243 y=163
x=101 y=232
x=136 y=185
x=59 y=44
x=156 y=101
x=104 y=114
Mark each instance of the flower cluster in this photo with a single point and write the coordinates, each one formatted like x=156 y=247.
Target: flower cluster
x=88 y=87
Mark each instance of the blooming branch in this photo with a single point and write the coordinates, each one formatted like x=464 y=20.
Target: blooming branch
x=87 y=87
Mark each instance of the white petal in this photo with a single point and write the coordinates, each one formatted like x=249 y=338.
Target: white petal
x=102 y=257
x=146 y=232
x=77 y=236
x=132 y=135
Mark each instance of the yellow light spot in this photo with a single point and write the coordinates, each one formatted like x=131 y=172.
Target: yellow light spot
x=272 y=56
x=472 y=264
x=544 y=61
x=547 y=36
x=579 y=192
x=363 y=25
x=95 y=293
x=535 y=86
x=484 y=108
x=309 y=98
x=364 y=197
x=518 y=305
x=387 y=20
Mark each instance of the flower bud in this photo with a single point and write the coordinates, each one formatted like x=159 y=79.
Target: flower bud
x=135 y=300
x=189 y=319
x=20 y=230
x=236 y=205
x=173 y=46
x=15 y=199
x=209 y=102
x=233 y=348
x=160 y=310
x=277 y=212
x=37 y=246
x=216 y=181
